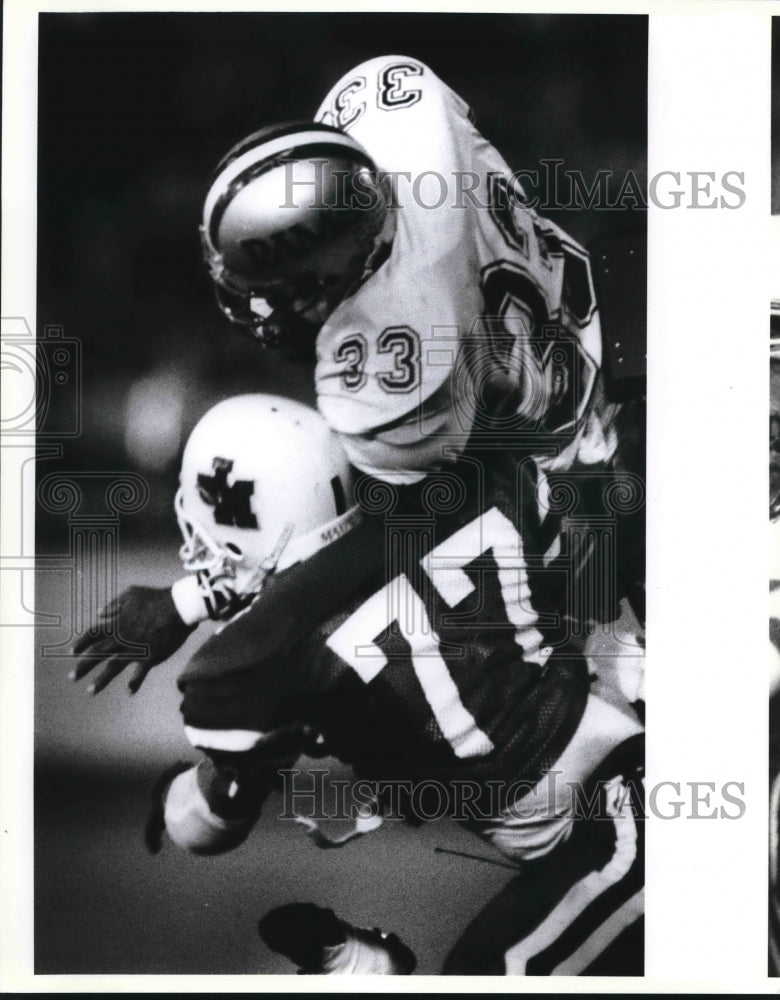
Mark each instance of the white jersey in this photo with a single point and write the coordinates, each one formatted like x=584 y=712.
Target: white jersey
x=477 y=291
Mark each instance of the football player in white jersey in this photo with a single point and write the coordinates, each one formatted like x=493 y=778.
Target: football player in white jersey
x=391 y=238
x=392 y=232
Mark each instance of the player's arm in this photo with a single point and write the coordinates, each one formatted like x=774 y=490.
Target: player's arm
x=145 y=616
x=160 y=619
x=237 y=690
x=234 y=692
x=163 y=619
x=402 y=113
x=238 y=707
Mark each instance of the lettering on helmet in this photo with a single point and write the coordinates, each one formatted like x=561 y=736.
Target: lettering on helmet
x=357 y=212
x=278 y=248
x=334 y=531
x=231 y=501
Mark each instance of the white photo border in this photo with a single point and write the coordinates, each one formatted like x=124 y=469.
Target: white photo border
x=708 y=295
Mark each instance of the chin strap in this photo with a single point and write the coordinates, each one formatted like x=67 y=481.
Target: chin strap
x=306 y=545
x=211 y=590
x=239 y=604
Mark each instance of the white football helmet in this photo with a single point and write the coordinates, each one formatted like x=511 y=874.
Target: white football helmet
x=292 y=215
x=264 y=484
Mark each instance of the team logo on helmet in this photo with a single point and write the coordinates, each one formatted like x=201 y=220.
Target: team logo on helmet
x=231 y=501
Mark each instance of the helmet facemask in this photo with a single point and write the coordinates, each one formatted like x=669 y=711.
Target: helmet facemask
x=226 y=561
x=264 y=311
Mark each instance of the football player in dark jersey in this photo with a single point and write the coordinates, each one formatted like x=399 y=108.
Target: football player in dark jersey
x=437 y=650
x=439 y=656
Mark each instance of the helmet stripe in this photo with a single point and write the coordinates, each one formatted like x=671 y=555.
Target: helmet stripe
x=310 y=150
x=274 y=147
x=266 y=135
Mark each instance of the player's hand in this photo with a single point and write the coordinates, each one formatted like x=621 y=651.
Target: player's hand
x=144 y=616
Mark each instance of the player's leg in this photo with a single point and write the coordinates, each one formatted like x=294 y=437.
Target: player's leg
x=576 y=910
x=211 y=807
x=544 y=817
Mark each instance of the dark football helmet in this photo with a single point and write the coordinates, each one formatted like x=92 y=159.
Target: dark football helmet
x=290 y=219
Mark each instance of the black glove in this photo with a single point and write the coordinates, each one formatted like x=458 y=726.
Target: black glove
x=144 y=616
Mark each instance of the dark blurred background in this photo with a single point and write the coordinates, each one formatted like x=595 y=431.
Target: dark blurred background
x=134 y=112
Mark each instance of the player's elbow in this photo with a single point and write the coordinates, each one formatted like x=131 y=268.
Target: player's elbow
x=193 y=826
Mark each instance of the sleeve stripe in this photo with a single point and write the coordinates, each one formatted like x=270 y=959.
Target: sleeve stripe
x=236 y=740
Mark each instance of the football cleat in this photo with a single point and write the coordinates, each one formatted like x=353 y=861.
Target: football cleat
x=320 y=944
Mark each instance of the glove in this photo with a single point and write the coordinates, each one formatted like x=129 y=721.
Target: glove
x=145 y=616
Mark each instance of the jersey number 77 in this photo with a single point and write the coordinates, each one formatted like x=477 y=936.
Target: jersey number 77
x=399 y=606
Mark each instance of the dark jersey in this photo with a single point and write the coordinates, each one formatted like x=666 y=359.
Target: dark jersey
x=427 y=643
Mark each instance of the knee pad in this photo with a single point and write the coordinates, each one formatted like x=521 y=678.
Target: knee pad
x=191 y=824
